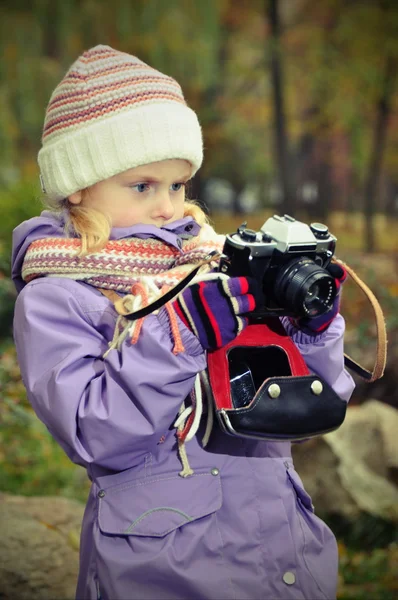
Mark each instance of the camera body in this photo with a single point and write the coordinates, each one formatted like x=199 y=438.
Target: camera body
x=290 y=260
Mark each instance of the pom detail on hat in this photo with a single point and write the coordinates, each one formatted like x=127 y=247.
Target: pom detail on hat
x=110 y=113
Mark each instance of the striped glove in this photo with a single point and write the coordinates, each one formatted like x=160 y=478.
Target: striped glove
x=212 y=309
x=318 y=324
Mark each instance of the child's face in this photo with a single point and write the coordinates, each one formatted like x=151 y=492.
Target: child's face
x=152 y=194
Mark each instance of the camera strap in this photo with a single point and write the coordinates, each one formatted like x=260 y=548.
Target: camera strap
x=381 y=337
x=381 y=341
x=162 y=300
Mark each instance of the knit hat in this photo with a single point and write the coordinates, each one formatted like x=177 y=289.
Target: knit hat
x=110 y=113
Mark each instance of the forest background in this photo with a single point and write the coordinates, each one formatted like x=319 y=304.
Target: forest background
x=298 y=101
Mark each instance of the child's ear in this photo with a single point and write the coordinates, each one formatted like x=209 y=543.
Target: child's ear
x=76 y=197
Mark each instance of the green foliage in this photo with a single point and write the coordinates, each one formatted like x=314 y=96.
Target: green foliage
x=364 y=533
x=337 y=54
x=31 y=462
x=7 y=300
x=18 y=202
x=334 y=56
x=368 y=575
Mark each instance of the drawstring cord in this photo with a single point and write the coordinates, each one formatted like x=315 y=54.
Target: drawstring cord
x=188 y=420
x=186 y=467
x=142 y=293
x=210 y=410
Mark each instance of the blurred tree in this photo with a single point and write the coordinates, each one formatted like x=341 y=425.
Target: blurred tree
x=320 y=119
x=235 y=110
x=368 y=39
x=383 y=111
x=388 y=80
x=228 y=121
x=228 y=55
x=284 y=166
x=321 y=134
x=338 y=52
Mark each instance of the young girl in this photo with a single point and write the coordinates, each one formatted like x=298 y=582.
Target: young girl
x=177 y=508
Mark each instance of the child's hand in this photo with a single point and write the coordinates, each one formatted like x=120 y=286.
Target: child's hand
x=319 y=324
x=212 y=309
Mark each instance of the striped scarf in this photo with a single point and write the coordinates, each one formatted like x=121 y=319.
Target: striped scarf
x=121 y=263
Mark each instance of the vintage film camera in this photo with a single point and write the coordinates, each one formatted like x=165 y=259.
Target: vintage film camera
x=270 y=393
x=262 y=387
x=290 y=259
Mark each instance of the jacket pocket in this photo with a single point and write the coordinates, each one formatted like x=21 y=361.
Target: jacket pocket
x=156 y=506
x=303 y=497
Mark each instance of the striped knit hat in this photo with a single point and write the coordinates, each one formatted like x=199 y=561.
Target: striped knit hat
x=110 y=113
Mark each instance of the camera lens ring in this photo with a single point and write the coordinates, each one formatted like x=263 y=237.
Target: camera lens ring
x=293 y=288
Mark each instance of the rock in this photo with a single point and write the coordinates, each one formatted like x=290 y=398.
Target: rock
x=39 y=550
x=353 y=469
x=317 y=465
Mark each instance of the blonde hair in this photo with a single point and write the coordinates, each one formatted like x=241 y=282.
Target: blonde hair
x=94 y=227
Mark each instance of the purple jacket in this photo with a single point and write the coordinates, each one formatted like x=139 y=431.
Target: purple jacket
x=242 y=527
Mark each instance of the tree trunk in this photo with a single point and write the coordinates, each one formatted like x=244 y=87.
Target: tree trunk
x=391 y=206
x=283 y=167
x=324 y=184
x=376 y=156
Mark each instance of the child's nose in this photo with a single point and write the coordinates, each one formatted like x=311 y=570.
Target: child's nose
x=164 y=206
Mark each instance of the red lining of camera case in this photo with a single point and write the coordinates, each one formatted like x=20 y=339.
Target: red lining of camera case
x=271 y=334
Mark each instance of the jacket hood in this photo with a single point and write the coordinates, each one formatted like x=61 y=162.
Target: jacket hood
x=50 y=224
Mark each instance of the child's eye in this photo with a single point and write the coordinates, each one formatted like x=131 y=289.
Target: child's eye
x=177 y=186
x=141 y=187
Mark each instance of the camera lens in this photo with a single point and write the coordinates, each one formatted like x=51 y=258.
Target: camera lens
x=317 y=298
x=304 y=288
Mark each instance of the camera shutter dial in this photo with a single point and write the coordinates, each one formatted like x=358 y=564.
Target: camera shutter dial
x=249 y=235
x=319 y=230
